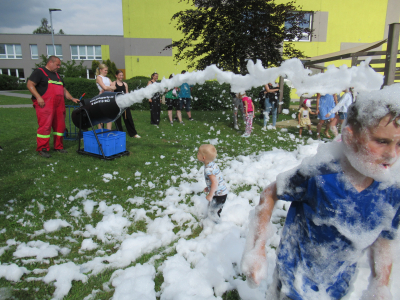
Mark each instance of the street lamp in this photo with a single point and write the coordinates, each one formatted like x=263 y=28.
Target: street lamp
x=51 y=27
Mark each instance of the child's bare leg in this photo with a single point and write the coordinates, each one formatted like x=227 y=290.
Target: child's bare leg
x=332 y=125
x=109 y=126
x=319 y=126
x=170 y=115
x=179 y=115
x=300 y=131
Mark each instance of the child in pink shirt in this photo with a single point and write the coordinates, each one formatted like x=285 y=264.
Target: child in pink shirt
x=249 y=112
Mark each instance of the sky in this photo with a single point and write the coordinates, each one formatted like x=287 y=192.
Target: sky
x=86 y=17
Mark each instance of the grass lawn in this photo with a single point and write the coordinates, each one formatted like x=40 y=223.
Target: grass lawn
x=34 y=190
x=10 y=100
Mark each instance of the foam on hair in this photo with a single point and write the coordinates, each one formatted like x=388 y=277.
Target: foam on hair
x=371 y=107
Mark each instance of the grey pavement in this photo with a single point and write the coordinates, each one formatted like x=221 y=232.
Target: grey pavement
x=16 y=106
x=9 y=93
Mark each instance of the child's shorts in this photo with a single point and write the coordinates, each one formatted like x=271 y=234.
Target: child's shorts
x=342 y=115
x=215 y=207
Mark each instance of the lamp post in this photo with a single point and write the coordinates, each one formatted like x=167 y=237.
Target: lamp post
x=51 y=27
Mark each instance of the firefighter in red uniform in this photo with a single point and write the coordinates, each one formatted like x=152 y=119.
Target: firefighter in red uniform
x=48 y=92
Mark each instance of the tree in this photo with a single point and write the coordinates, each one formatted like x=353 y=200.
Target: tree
x=230 y=32
x=45 y=28
x=68 y=69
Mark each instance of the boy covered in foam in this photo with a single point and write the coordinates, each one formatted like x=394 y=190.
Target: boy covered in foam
x=216 y=187
x=344 y=201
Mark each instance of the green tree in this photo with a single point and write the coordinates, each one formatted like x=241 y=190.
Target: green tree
x=230 y=32
x=45 y=28
x=69 y=69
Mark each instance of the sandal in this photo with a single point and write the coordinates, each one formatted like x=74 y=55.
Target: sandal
x=327 y=135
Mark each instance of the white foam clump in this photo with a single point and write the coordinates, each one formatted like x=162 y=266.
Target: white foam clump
x=12 y=272
x=63 y=275
x=88 y=206
x=88 y=244
x=285 y=111
x=334 y=80
x=38 y=249
x=134 y=283
x=55 y=224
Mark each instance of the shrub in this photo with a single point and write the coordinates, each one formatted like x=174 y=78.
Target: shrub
x=77 y=86
x=8 y=82
x=286 y=96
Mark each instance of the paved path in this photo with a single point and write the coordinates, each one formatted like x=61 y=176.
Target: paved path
x=9 y=93
x=16 y=106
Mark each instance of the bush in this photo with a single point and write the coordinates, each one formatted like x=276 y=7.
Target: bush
x=77 y=86
x=8 y=82
x=286 y=96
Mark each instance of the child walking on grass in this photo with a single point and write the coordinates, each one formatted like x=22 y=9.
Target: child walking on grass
x=304 y=116
x=249 y=112
x=216 y=187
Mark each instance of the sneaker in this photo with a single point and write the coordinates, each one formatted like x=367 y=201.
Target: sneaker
x=246 y=135
x=44 y=153
x=61 y=150
x=190 y=119
x=310 y=132
x=264 y=128
x=318 y=137
x=181 y=122
x=172 y=123
x=273 y=127
x=137 y=136
x=236 y=127
x=299 y=135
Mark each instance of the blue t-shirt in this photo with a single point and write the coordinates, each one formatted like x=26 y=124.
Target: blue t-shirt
x=185 y=90
x=326 y=104
x=328 y=227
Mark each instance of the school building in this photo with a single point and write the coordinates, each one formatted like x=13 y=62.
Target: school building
x=147 y=26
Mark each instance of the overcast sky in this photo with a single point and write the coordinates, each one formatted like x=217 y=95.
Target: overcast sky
x=103 y=17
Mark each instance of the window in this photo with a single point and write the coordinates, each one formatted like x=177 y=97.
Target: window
x=90 y=74
x=34 y=52
x=14 y=72
x=85 y=52
x=10 y=51
x=50 y=51
x=305 y=23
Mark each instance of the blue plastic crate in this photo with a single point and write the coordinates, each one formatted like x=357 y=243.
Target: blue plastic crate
x=113 y=142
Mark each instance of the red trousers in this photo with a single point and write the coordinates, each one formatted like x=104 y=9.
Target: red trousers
x=52 y=115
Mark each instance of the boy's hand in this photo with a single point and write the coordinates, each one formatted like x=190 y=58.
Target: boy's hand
x=206 y=190
x=327 y=115
x=209 y=197
x=254 y=266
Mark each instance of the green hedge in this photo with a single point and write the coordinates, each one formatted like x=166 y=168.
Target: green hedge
x=8 y=82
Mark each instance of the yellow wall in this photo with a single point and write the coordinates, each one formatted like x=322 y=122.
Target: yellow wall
x=105 y=52
x=349 y=21
x=151 y=19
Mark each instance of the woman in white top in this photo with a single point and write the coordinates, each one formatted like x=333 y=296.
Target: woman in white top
x=104 y=84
